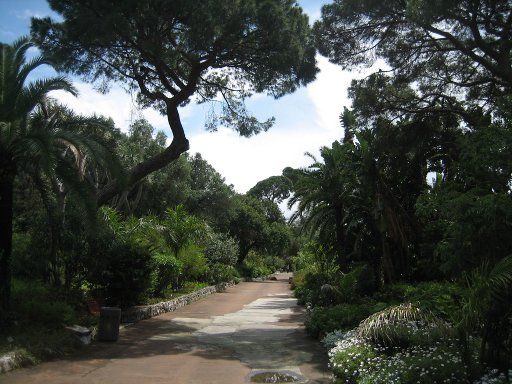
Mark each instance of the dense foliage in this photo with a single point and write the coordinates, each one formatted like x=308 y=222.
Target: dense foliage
x=410 y=212
x=401 y=231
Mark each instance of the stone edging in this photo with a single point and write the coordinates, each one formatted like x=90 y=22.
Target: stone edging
x=142 y=312
x=12 y=360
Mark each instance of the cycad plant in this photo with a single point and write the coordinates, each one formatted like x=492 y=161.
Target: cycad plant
x=487 y=311
x=34 y=139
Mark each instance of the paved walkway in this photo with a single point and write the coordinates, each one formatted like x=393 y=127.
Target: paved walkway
x=224 y=338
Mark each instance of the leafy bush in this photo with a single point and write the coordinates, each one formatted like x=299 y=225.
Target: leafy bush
x=168 y=269
x=360 y=281
x=23 y=261
x=312 y=288
x=193 y=263
x=332 y=338
x=351 y=358
x=34 y=302
x=191 y=286
x=120 y=272
x=304 y=259
x=440 y=363
x=443 y=299
x=257 y=265
x=221 y=273
x=319 y=286
x=322 y=320
x=220 y=248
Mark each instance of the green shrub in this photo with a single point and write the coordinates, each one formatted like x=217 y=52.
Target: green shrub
x=304 y=259
x=257 y=265
x=193 y=263
x=322 y=320
x=120 y=272
x=351 y=359
x=220 y=248
x=24 y=264
x=191 y=286
x=443 y=299
x=33 y=302
x=317 y=286
x=168 y=270
x=310 y=288
x=221 y=273
x=356 y=361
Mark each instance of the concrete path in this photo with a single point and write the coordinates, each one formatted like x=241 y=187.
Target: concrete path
x=225 y=338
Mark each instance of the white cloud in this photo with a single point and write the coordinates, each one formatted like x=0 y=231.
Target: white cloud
x=328 y=94
x=117 y=104
x=27 y=14
x=245 y=161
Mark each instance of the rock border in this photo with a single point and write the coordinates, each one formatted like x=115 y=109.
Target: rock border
x=15 y=359
x=142 y=312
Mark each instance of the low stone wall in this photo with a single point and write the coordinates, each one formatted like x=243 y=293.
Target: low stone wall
x=13 y=360
x=141 y=312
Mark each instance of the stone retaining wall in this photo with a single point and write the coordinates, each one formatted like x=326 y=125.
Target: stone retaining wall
x=9 y=361
x=141 y=312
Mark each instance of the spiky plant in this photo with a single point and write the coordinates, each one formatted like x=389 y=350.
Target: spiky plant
x=402 y=323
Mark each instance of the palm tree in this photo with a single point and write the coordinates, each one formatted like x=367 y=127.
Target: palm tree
x=349 y=199
x=33 y=138
x=321 y=192
x=80 y=159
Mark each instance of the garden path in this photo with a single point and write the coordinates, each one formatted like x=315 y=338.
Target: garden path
x=225 y=338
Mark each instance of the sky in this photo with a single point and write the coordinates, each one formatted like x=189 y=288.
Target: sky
x=305 y=120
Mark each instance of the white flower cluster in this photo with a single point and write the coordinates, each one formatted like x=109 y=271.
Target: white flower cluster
x=355 y=360
x=347 y=340
x=330 y=339
x=492 y=377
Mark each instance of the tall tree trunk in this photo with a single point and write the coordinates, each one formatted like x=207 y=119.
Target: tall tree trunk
x=340 y=237
x=7 y=174
x=387 y=264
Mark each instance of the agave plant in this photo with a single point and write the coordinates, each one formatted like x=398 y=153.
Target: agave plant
x=401 y=324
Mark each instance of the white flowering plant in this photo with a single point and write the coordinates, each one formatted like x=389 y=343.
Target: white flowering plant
x=356 y=361
x=351 y=358
x=401 y=344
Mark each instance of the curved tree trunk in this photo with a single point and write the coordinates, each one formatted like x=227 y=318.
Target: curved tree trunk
x=178 y=146
x=7 y=174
